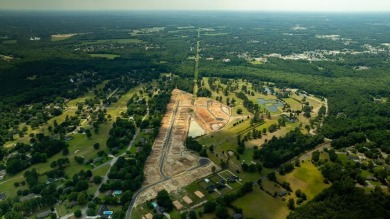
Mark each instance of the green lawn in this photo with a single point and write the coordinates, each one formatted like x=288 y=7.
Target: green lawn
x=8 y=187
x=101 y=171
x=254 y=62
x=258 y=204
x=107 y=56
x=294 y=104
x=306 y=178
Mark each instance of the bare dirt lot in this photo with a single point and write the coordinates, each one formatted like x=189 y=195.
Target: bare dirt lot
x=211 y=115
x=170 y=159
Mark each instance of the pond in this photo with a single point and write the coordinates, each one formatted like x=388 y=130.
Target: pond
x=195 y=129
x=272 y=108
x=270 y=105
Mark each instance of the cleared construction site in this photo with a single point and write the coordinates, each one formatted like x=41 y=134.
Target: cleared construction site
x=171 y=165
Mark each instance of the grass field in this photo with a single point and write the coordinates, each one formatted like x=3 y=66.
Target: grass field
x=294 y=104
x=120 y=41
x=306 y=178
x=271 y=186
x=107 y=56
x=255 y=62
x=259 y=204
x=101 y=171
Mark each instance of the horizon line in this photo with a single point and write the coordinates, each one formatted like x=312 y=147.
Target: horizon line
x=192 y=10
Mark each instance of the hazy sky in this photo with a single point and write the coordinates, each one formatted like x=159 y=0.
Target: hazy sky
x=274 y=5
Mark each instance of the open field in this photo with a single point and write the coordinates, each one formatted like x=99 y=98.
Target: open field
x=279 y=133
x=294 y=104
x=258 y=204
x=101 y=171
x=59 y=37
x=107 y=56
x=306 y=178
x=256 y=62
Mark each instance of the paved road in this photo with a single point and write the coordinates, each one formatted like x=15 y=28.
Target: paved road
x=110 y=95
x=165 y=149
x=202 y=162
x=113 y=161
x=105 y=178
x=168 y=140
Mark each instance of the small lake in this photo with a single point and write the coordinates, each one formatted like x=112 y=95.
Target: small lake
x=270 y=105
x=195 y=129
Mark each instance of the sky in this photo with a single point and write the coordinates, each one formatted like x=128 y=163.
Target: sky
x=253 y=5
